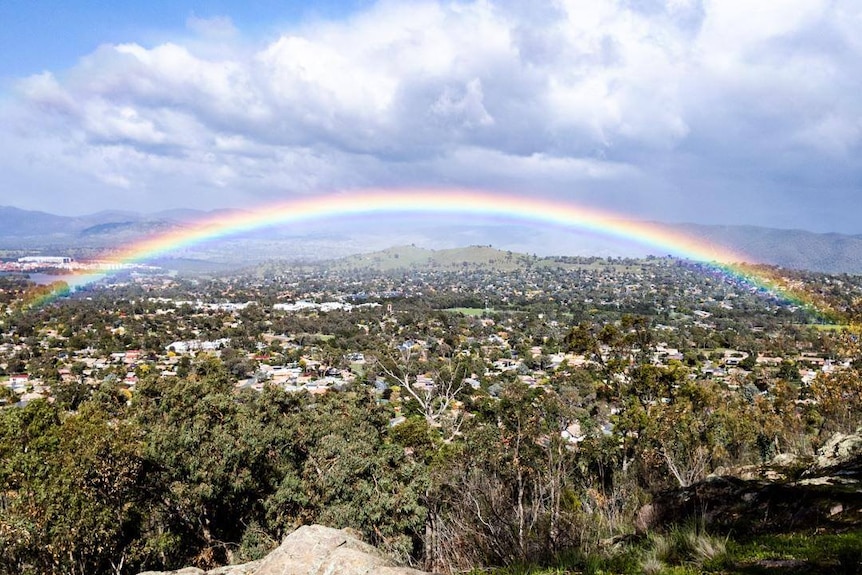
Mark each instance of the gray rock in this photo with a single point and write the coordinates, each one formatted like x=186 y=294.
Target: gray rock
x=185 y=571
x=839 y=450
x=313 y=550
x=783 y=467
x=786 y=460
x=778 y=497
x=244 y=569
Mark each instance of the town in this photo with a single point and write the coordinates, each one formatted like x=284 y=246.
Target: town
x=647 y=374
x=312 y=329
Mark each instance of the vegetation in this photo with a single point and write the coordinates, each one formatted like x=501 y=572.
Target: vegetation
x=688 y=551
x=162 y=422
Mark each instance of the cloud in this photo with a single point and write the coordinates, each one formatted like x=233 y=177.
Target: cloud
x=627 y=105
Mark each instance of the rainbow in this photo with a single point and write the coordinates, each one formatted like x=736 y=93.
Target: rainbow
x=461 y=202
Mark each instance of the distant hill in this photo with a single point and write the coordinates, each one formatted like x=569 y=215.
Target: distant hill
x=23 y=223
x=129 y=229
x=327 y=240
x=34 y=229
x=796 y=249
x=412 y=257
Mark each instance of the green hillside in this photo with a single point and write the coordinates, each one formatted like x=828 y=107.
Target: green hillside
x=413 y=258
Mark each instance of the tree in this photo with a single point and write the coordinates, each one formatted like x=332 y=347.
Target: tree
x=789 y=372
x=749 y=362
x=354 y=478
x=71 y=501
x=204 y=462
x=518 y=503
x=437 y=393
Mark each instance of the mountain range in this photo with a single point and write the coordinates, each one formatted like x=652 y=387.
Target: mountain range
x=25 y=232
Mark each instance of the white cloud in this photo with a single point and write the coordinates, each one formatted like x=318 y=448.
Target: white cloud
x=109 y=123
x=464 y=108
x=607 y=93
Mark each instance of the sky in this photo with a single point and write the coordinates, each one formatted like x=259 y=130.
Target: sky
x=712 y=111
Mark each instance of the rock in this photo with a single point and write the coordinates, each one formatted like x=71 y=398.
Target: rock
x=646 y=518
x=783 y=467
x=244 y=569
x=786 y=460
x=313 y=550
x=839 y=450
x=775 y=497
x=186 y=571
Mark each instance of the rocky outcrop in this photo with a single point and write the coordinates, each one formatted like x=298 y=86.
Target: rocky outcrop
x=842 y=450
x=312 y=550
x=787 y=494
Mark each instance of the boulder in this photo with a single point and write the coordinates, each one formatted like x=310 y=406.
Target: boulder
x=781 y=496
x=312 y=550
x=244 y=569
x=840 y=450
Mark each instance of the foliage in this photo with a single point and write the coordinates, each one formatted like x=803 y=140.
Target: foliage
x=529 y=434
x=71 y=502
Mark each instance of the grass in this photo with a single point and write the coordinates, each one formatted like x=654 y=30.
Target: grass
x=683 y=550
x=474 y=311
x=687 y=551
x=800 y=553
x=480 y=311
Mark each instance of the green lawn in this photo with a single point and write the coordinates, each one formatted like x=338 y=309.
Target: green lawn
x=475 y=311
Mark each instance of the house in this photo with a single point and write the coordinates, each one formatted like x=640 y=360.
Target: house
x=573 y=433
x=19 y=379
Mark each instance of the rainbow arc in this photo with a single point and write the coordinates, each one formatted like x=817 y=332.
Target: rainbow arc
x=464 y=202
